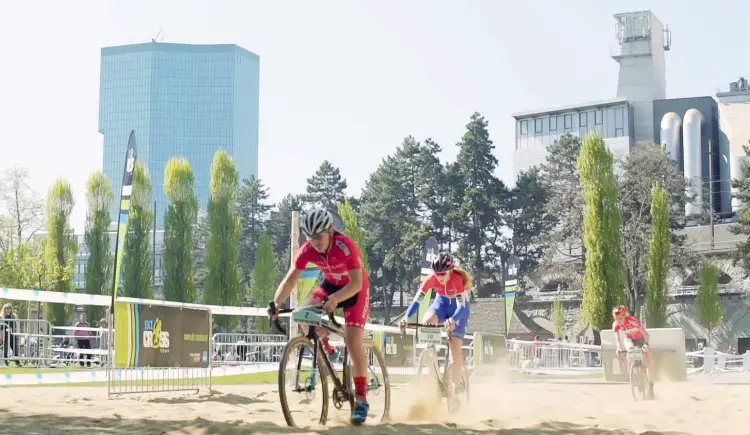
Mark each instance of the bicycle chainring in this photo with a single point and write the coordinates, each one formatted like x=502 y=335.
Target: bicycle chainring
x=339 y=398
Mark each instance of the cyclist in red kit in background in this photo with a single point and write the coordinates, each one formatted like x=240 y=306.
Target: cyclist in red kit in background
x=345 y=284
x=635 y=335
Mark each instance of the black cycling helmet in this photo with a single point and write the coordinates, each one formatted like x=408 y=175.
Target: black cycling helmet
x=443 y=263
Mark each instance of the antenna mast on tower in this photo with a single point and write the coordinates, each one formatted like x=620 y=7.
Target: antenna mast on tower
x=158 y=37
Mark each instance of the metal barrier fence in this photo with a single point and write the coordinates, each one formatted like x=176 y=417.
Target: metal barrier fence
x=554 y=357
x=25 y=342
x=155 y=379
x=232 y=348
x=37 y=343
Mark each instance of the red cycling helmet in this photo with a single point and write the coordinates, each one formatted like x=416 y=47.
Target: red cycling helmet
x=443 y=263
x=620 y=310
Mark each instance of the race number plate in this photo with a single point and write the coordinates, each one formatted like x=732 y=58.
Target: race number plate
x=635 y=353
x=308 y=316
x=430 y=335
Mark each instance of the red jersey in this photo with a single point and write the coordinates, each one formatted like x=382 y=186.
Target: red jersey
x=343 y=255
x=454 y=287
x=631 y=326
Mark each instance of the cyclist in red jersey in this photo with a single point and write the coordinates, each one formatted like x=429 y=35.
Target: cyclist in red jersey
x=635 y=335
x=345 y=284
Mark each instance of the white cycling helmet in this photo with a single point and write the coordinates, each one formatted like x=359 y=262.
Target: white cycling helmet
x=316 y=222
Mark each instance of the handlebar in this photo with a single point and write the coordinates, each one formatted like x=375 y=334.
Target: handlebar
x=277 y=323
x=424 y=325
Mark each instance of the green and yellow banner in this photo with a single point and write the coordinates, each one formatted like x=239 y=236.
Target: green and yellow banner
x=161 y=336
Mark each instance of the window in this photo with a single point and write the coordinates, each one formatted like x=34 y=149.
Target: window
x=568 y=121
x=538 y=128
x=524 y=128
x=619 y=121
x=583 y=119
x=598 y=118
x=553 y=123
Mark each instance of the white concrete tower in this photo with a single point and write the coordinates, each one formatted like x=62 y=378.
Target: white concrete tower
x=642 y=41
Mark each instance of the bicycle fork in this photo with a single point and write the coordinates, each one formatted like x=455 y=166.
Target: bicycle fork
x=309 y=388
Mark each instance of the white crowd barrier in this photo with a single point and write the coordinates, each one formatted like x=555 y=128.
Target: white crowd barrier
x=709 y=361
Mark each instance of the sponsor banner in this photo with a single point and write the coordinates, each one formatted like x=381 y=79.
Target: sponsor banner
x=489 y=349
x=429 y=253
x=398 y=350
x=512 y=264
x=160 y=336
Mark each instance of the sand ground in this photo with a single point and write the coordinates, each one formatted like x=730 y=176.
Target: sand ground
x=497 y=407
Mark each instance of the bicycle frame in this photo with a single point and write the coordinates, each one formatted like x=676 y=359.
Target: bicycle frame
x=340 y=385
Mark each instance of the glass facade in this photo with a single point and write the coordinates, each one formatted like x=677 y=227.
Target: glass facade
x=539 y=131
x=182 y=101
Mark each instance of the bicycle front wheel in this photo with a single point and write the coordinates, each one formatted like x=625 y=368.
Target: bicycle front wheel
x=638 y=381
x=303 y=386
x=378 y=384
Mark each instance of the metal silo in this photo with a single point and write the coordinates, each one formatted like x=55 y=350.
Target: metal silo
x=691 y=140
x=670 y=134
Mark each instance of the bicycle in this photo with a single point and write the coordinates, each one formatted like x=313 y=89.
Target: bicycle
x=312 y=315
x=449 y=390
x=637 y=371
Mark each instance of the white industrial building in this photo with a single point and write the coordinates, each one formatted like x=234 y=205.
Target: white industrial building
x=705 y=138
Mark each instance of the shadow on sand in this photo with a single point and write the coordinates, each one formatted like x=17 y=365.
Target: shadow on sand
x=15 y=424
x=229 y=399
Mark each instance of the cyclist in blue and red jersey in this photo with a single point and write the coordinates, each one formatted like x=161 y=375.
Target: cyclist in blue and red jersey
x=635 y=335
x=345 y=284
x=451 y=306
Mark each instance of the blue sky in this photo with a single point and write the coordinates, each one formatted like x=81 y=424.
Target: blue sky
x=345 y=80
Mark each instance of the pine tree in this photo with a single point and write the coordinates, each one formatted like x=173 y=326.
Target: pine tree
x=482 y=224
x=742 y=195
x=529 y=220
x=326 y=188
x=254 y=212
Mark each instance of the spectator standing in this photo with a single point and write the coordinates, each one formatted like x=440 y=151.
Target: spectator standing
x=83 y=338
x=9 y=329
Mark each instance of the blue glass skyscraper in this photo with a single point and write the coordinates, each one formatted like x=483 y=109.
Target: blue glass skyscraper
x=181 y=100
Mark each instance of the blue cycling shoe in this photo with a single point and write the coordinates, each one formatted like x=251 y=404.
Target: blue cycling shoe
x=360 y=412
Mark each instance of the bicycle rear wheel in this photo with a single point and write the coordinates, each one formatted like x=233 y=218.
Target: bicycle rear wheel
x=305 y=389
x=378 y=383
